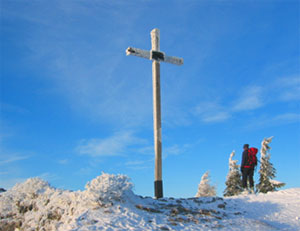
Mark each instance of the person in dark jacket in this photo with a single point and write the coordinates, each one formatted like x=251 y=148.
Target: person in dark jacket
x=247 y=171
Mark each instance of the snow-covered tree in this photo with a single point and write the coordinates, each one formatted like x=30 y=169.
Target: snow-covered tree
x=233 y=180
x=267 y=171
x=204 y=188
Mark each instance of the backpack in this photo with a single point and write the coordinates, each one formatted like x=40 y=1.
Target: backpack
x=252 y=159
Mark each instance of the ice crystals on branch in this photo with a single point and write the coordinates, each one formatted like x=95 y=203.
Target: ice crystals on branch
x=204 y=188
x=267 y=171
x=233 y=179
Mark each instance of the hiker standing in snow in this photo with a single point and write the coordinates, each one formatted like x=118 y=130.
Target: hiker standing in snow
x=247 y=169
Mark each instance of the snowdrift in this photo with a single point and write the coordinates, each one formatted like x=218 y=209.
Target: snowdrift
x=108 y=203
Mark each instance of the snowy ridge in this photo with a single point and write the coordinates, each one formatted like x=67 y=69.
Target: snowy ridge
x=108 y=203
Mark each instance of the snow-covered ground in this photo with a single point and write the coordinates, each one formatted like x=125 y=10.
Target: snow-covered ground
x=108 y=203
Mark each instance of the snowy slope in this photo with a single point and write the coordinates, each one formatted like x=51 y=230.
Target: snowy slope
x=108 y=203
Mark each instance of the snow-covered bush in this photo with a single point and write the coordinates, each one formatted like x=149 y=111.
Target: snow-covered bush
x=233 y=180
x=108 y=187
x=34 y=205
x=32 y=186
x=21 y=195
x=267 y=171
x=204 y=188
x=23 y=199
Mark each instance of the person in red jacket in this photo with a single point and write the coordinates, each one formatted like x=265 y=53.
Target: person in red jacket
x=247 y=169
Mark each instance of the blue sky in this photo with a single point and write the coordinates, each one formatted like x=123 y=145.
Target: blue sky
x=74 y=105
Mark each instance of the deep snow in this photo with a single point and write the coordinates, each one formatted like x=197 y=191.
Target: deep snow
x=108 y=203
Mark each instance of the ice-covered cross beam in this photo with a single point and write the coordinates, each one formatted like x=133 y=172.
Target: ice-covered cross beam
x=154 y=55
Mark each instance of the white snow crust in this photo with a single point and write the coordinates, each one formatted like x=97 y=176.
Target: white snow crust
x=108 y=203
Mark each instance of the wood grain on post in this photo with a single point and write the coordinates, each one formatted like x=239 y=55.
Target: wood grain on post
x=157 y=116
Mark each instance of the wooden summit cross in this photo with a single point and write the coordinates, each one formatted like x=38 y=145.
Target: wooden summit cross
x=156 y=56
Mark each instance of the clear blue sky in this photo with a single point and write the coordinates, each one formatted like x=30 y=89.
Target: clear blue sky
x=74 y=105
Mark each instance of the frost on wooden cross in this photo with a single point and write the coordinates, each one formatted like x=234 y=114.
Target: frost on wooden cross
x=156 y=56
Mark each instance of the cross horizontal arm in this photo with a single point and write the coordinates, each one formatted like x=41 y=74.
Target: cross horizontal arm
x=173 y=60
x=154 y=55
x=138 y=52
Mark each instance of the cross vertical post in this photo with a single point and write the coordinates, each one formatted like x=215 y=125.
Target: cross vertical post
x=158 y=185
x=156 y=56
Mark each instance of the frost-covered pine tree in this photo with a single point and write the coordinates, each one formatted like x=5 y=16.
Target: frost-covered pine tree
x=233 y=179
x=204 y=188
x=267 y=171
